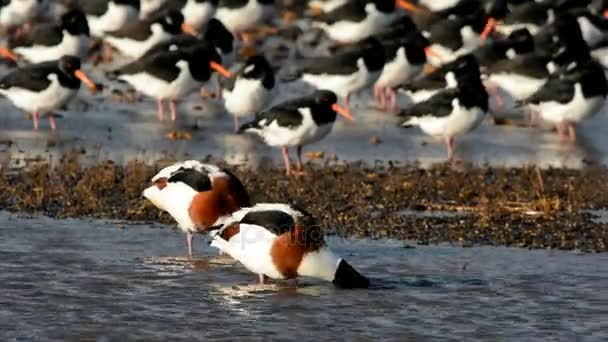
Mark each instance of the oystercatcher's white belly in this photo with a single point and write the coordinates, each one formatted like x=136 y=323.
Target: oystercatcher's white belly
x=70 y=45
x=155 y=87
x=47 y=100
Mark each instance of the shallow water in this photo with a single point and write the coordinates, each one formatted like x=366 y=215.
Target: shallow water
x=86 y=279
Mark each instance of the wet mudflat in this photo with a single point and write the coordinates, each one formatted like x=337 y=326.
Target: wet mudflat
x=104 y=280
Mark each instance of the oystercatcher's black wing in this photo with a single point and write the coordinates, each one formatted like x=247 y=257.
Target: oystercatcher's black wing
x=438 y=105
x=34 y=77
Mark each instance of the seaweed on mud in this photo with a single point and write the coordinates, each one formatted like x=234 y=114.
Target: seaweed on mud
x=524 y=207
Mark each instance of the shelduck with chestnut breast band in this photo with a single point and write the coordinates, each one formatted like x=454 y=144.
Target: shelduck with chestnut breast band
x=281 y=242
x=196 y=195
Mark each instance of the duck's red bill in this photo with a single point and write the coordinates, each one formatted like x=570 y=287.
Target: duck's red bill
x=490 y=26
x=220 y=69
x=86 y=80
x=342 y=111
x=189 y=29
x=6 y=53
x=406 y=5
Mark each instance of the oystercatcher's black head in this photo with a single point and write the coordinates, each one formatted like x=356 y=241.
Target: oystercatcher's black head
x=75 y=22
x=219 y=35
x=324 y=106
x=522 y=41
x=600 y=7
x=385 y=6
x=204 y=59
x=570 y=44
x=466 y=66
x=373 y=54
x=266 y=2
x=70 y=67
x=258 y=68
x=133 y=3
x=172 y=22
x=348 y=278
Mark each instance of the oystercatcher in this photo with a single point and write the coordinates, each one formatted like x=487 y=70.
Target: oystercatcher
x=404 y=60
x=196 y=195
x=424 y=87
x=250 y=90
x=51 y=41
x=280 y=241
x=451 y=112
x=568 y=98
x=346 y=72
x=357 y=20
x=15 y=13
x=519 y=42
x=240 y=16
x=106 y=16
x=197 y=13
x=171 y=75
x=44 y=87
x=297 y=123
x=136 y=39
x=149 y=7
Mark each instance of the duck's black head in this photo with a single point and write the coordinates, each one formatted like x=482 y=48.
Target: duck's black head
x=258 y=68
x=219 y=35
x=75 y=22
x=172 y=21
x=348 y=278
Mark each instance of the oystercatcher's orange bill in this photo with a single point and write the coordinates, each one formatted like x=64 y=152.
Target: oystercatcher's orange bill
x=606 y=14
x=86 y=80
x=6 y=53
x=189 y=29
x=490 y=26
x=342 y=111
x=430 y=52
x=406 y=5
x=220 y=69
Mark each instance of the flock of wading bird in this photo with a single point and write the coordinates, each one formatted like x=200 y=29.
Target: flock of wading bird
x=452 y=60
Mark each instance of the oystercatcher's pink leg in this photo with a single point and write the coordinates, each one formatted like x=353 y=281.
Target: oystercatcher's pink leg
x=379 y=97
x=449 y=141
x=571 y=132
x=285 y=152
x=347 y=101
x=392 y=99
x=173 y=110
x=261 y=278
x=161 y=110
x=218 y=87
x=299 y=161
x=52 y=121
x=560 y=131
x=189 y=239
x=236 y=124
x=36 y=120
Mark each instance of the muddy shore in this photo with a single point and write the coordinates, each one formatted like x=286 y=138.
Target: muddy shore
x=467 y=205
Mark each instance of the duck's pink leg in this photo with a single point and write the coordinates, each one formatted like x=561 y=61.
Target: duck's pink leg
x=189 y=239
